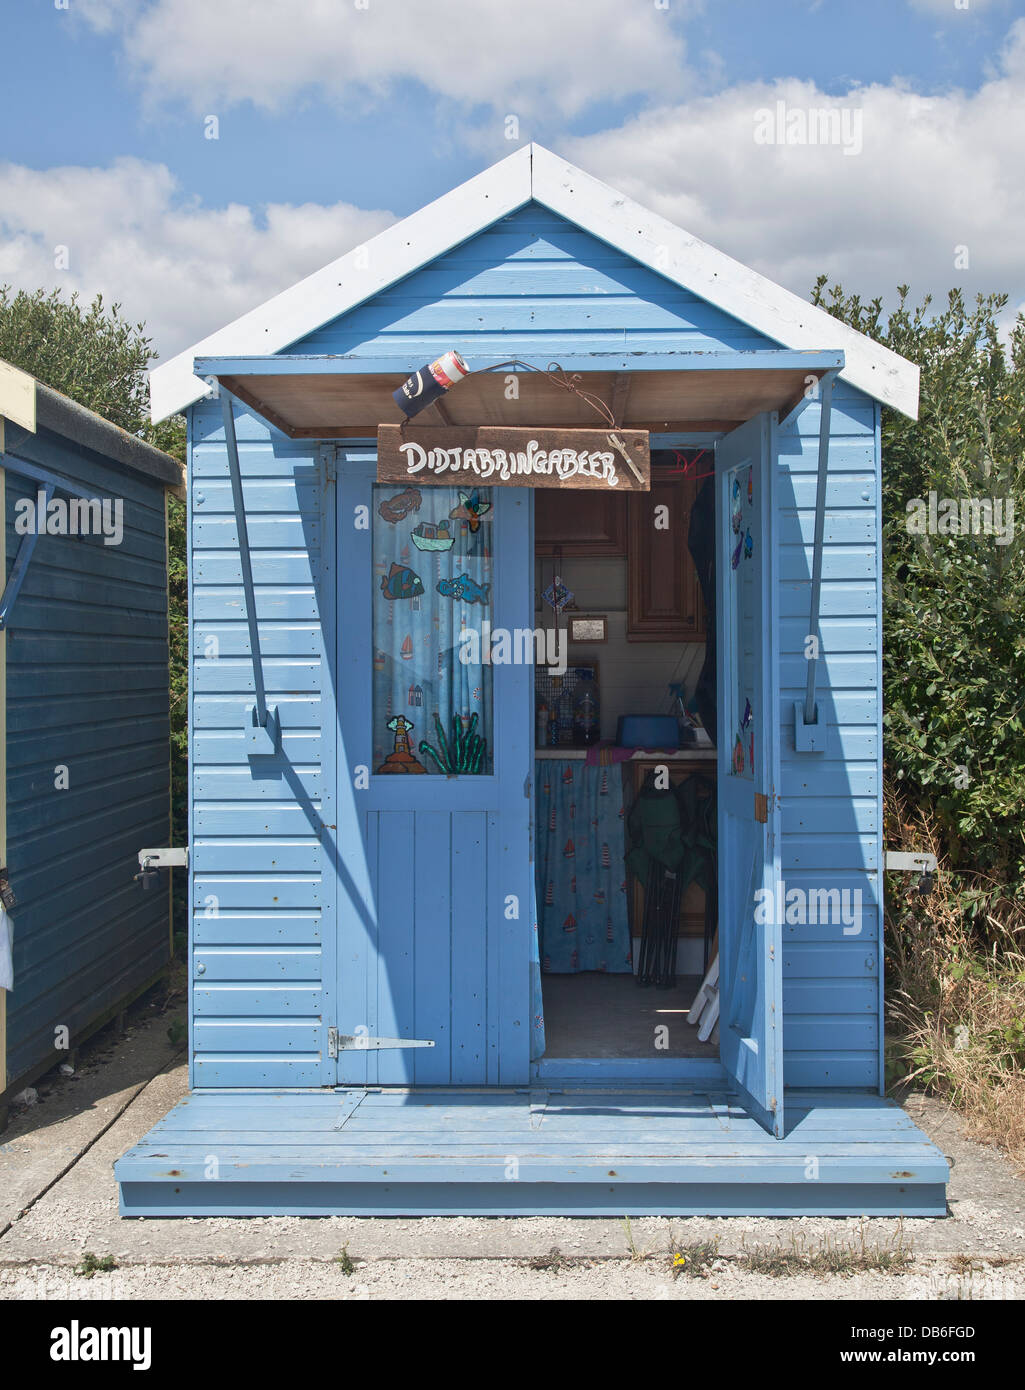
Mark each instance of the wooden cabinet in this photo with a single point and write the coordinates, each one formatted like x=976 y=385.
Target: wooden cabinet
x=664 y=602
x=579 y=523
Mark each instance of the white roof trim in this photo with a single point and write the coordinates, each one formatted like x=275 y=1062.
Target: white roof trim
x=534 y=172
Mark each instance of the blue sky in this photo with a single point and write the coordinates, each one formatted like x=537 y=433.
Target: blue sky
x=335 y=116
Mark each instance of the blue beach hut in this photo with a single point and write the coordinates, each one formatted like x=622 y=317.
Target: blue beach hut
x=417 y=909
x=85 y=780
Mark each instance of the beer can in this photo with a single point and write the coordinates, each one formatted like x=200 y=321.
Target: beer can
x=431 y=381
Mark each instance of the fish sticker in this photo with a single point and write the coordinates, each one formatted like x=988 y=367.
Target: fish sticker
x=749 y=546
x=463 y=587
x=397 y=508
x=747 y=716
x=736 y=506
x=750 y=486
x=751 y=749
x=738 y=757
x=471 y=508
x=735 y=557
x=401 y=582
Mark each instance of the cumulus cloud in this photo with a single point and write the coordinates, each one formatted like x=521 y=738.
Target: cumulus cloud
x=184 y=268
x=933 y=174
x=526 y=55
x=931 y=195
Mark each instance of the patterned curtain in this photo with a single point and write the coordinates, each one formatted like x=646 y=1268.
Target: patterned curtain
x=537 y=1016
x=432 y=582
x=581 y=876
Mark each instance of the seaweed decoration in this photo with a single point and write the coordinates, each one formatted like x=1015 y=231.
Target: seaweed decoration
x=464 y=754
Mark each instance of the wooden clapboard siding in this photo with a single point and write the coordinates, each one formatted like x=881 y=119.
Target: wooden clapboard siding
x=258 y=894
x=86 y=659
x=832 y=803
x=530 y=285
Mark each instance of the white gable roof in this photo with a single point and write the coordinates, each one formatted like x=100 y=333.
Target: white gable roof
x=533 y=172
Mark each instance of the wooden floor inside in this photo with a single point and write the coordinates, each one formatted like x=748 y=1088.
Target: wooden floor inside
x=595 y=1014
x=575 y=1151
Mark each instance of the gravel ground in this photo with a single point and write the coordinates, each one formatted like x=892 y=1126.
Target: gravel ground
x=58 y=1199
x=497 y=1280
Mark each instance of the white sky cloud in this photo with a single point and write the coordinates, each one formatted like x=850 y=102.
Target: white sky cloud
x=935 y=173
x=545 y=52
x=184 y=268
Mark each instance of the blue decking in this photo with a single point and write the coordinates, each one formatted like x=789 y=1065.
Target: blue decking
x=578 y=1151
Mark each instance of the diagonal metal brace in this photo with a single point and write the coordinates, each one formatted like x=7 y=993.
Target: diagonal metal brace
x=808 y=736
x=261 y=725
x=21 y=563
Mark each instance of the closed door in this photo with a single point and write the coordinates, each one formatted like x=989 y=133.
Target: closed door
x=433 y=782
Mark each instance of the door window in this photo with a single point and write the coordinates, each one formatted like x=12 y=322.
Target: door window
x=432 y=691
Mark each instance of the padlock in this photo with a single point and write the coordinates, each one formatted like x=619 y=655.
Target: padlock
x=7 y=899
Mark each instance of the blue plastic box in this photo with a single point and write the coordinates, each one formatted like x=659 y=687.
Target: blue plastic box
x=648 y=731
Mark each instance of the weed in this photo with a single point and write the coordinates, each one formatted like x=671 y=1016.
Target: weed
x=956 y=973
x=94 y=1264
x=345 y=1262
x=694 y=1259
x=844 y=1257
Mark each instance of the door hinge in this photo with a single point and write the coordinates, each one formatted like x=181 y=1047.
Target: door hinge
x=361 y=1042
x=331 y=465
x=761 y=808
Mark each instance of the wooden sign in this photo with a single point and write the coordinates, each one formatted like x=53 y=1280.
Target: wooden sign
x=493 y=456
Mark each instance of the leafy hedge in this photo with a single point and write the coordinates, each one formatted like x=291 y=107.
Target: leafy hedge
x=953 y=605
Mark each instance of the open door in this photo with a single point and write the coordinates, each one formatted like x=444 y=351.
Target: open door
x=750 y=936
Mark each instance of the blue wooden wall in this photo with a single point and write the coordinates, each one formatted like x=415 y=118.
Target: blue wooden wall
x=87 y=689
x=261 y=985
x=532 y=286
x=832 y=802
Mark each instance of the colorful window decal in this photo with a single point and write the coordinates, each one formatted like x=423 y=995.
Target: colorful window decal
x=432 y=695
x=743 y=604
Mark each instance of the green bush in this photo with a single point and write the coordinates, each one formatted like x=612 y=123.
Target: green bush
x=953 y=605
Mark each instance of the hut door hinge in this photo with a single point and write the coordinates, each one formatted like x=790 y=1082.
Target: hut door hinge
x=761 y=808
x=331 y=465
x=360 y=1042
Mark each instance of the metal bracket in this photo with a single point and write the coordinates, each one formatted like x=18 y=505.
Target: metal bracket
x=809 y=737
x=360 y=1042
x=150 y=860
x=262 y=738
x=164 y=858
x=902 y=862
